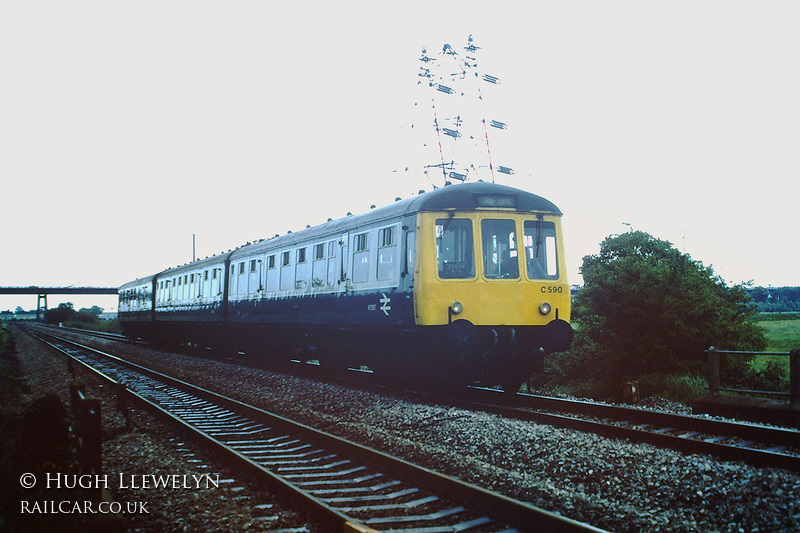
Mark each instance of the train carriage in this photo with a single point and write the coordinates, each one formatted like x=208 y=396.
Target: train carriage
x=135 y=307
x=464 y=284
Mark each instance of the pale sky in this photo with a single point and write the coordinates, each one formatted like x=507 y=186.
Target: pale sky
x=127 y=127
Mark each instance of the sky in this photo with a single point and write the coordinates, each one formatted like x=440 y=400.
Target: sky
x=128 y=127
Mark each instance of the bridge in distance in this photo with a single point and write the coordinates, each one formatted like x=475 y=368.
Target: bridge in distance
x=42 y=292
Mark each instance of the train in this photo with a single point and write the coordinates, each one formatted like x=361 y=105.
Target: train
x=464 y=284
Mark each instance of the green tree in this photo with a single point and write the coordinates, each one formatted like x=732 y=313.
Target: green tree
x=62 y=313
x=94 y=310
x=646 y=309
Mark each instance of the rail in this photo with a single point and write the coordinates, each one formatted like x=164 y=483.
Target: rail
x=249 y=434
x=714 y=383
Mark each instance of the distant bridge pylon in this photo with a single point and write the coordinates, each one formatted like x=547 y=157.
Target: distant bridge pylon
x=42 y=292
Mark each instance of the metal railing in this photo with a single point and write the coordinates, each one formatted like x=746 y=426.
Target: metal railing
x=714 y=386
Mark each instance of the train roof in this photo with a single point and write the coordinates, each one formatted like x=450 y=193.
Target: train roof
x=188 y=267
x=471 y=196
x=461 y=197
x=137 y=282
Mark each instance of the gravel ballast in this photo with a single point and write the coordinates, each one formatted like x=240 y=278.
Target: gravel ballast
x=611 y=484
x=151 y=448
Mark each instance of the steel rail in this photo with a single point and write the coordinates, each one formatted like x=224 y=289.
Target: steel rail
x=656 y=428
x=522 y=514
x=768 y=434
x=329 y=516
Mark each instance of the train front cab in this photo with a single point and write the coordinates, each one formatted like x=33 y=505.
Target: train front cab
x=491 y=282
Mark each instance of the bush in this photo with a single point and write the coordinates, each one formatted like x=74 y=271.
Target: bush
x=646 y=313
x=772 y=377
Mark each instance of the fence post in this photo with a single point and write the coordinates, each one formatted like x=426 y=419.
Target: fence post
x=91 y=430
x=88 y=430
x=713 y=371
x=794 y=376
x=122 y=403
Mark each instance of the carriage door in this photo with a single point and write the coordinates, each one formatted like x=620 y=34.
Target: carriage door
x=342 y=262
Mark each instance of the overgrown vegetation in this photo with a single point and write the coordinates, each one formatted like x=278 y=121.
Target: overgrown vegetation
x=646 y=313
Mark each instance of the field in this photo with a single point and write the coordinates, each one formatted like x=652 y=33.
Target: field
x=783 y=331
x=783 y=335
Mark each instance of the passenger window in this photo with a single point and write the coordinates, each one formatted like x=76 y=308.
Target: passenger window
x=500 y=257
x=455 y=251
x=540 y=249
x=360 y=242
x=386 y=237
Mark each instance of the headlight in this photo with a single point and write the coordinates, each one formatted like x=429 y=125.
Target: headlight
x=545 y=308
x=456 y=308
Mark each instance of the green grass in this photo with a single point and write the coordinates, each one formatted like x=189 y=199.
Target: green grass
x=783 y=335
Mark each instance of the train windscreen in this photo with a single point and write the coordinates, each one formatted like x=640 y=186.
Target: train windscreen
x=455 y=250
x=540 y=249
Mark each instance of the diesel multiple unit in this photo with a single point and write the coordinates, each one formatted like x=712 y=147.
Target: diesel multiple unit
x=464 y=284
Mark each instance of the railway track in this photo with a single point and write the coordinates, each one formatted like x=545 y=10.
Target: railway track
x=731 y=440
x=738 y=441
x=348 y=486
